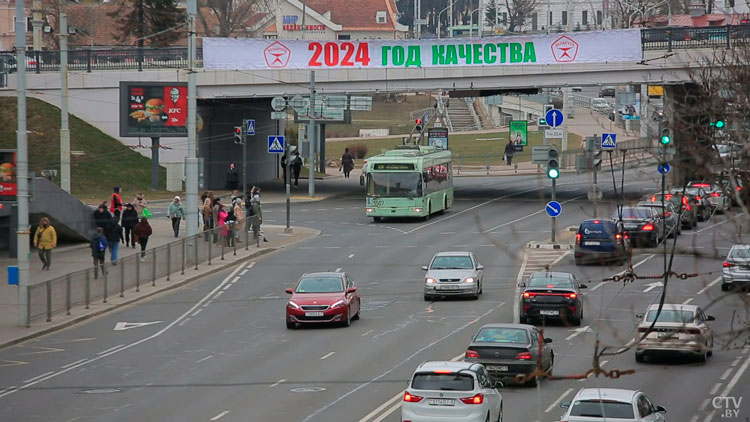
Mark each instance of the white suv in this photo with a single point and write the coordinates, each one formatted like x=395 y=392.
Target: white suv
x=610 y=404
x=454 y=391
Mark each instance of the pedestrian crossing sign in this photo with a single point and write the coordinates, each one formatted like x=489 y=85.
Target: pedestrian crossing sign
x=609 y=140
x=275 y=144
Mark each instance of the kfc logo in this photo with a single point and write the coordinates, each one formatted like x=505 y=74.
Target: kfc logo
x=564 y=49
x=277 y=55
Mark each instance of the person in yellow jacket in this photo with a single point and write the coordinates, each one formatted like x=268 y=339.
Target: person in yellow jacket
x=45 y=239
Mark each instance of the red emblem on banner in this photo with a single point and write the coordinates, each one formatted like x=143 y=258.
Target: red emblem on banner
x=277 y=55
x=564 y=49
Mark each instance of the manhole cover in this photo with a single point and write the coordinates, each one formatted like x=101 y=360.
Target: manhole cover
x=307 y=390
x=101 y=391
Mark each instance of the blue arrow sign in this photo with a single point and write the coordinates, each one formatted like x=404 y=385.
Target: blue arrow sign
x=250 y=129
x=663 y=168
x=275 y=144
x=609 y=140
x=553 y=208
x=554 y=117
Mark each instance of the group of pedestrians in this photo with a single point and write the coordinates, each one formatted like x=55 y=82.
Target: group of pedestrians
x=296 y=166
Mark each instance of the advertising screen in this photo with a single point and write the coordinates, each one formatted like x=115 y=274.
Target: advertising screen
x=153 y=109
x=8 y=187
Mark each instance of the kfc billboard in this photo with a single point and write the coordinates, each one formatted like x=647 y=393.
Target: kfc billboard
x=8 y=188
x=153 y=109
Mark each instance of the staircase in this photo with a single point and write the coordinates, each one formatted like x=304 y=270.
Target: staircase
x=73 y=220
x=462 y=115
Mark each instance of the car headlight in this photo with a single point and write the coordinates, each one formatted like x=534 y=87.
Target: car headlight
x=430 y=280
x=292 y=305
x=338 y=304
x=469 y=280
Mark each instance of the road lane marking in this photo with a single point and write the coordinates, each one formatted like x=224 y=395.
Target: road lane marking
x=226 y=287
x=388 y=412
x=720 y=222
x=559 y=399
x=366 y=333
x=31 y=380
x=350 y=256
x=337 y=270
x=447 y=233
x=527 y=216
x=236 y=279
x=736 y=361
x=220 y=415
x=414 y=354
x=710 y=416
x=73 y=363
x=726 y=374
x=178 y=320
x=711 y=284
x=578 y=331
x=381 y=407
x=714 y=389
x=110 y=349
x=183 y=322
x=204 y=359
x=250 y=265
x=636 y=265
x=221 y=292
x=277 y=383
x=327 y=355
x=244 y=272
x=687 y=301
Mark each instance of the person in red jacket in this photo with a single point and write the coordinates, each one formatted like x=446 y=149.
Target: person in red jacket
x=115 y=202
x=142 y=231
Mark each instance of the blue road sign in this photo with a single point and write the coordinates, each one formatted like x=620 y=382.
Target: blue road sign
x=250 y=129
x=609 y=140
x=663 y=168
x=554 y=117
x=553 y=208
x=275 y=144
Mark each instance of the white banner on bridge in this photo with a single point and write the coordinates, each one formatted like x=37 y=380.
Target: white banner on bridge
x=568 y=48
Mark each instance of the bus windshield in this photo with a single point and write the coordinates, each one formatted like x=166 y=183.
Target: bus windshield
x=384 y=184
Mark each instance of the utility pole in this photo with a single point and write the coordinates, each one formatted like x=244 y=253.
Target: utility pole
x=191 y=161
x=36 y=24
x=64 y=130
x=565 y=110
x=288 y=184
x=311 y=138
x=22 y=171
x=554 y=219
x=244 y=156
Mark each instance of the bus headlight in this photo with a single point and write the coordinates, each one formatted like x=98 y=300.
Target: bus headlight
x=369 y=209
x=417 y=209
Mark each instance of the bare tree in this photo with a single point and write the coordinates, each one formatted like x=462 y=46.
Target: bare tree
x=518 y=12
x=225 y=18
x=628 y=13
x=155 y=21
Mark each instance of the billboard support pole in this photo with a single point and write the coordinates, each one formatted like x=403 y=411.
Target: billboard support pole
x=155 y=163
x=22 y=167
x=64 y=130
x=311 y=138
x=191 y=162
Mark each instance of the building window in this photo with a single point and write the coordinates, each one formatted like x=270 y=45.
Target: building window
x=380 y=16
x=344 y=37
x=505 y=18
x=534 y=19
x=565 y=17
x=584 y=17
x=549 y=19
x=598 y=17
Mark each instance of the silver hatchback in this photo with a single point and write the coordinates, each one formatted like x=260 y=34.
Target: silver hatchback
x=453 y=274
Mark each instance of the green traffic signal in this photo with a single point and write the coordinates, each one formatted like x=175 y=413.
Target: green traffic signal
x=719 y=124
x=665 y=139
x=553 y=173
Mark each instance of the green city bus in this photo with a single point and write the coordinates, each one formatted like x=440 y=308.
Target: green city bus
x=409 y=181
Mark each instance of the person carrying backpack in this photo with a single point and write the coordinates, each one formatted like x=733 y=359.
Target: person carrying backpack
x=98 y=249
x=113 y=233
x=142 y=231
x=129 y=220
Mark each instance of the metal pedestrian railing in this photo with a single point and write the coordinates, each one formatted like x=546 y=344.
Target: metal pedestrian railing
x=99 y=284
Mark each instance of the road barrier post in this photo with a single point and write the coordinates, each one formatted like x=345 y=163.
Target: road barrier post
x=67 y=294
x=169 y=259
x=87 y=289
x=49 y=300
x=153 y=267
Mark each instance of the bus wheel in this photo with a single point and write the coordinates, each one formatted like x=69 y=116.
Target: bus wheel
x=429 y=211
x=376 y=219
x=445 y=205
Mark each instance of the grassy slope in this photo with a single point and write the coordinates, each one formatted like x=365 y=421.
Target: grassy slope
x=393 y=116
x=106 y=163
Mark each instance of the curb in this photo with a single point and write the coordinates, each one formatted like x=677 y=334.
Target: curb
x=173 y=286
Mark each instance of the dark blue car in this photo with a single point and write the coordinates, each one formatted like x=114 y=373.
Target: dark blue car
x=600 y=241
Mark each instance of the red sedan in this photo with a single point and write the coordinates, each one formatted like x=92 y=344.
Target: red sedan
x=323 y=298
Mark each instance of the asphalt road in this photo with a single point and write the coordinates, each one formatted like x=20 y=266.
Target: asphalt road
x=218 y=349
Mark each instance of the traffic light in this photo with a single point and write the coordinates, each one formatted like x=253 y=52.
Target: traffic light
x=597 y=159
x=418 y=125
x=665 y=139
x=238 y=134
x=553 y=165
x=718 y=124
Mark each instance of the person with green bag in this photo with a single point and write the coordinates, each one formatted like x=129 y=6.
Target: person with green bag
x=146 y=213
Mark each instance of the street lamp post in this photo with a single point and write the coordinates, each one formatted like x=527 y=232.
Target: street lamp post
x=450 y=6
x=471 y=21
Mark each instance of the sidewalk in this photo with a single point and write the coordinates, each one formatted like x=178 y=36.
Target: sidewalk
x=69 y=259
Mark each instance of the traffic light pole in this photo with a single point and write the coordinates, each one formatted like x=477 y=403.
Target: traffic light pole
x=554 y=225
x=244 y=159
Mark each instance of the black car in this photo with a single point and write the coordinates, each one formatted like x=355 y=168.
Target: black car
x=688 y=215
x=642 y=225
x=551 y=295
x=600 y=241
x=607 y=91
x=700 y=200
x=510 y=351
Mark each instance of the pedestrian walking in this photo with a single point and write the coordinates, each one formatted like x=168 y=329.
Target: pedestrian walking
x=140 y=204
x=98 y=249
x=230 y=222
x=257 y=214
x=142 y=231
x=296 y=167
x=176 y=212
x=238 y=226
x=113 y=233
x=221 y=217
x=115 y=201
x=207 y=212
x=129 y=220
x=102 y=217
x=233 y=177
x=283 y=167
x=347 y=162
x=510 y=149
x=45 y=239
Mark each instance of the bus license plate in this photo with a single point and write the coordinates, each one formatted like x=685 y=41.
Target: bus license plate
x=501 y=368
x=448 y=287
x=442 y=402
x=313 y=314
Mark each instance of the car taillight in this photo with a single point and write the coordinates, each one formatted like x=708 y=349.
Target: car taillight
x=653 y=199
x=667 y=214
x=412 y=398
x=647 y=227
x=476 y=399
x=699 y=185
x=523 y=356
x=528 y=295
x=470 y=354
x=668 y=196
x=727 y=264
x=572 y=295
x=578 y=238
x=618 y=236
x=596 y=221
x=714 y=194
x=697 y=198
x=739 y=187
x=684 y=201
